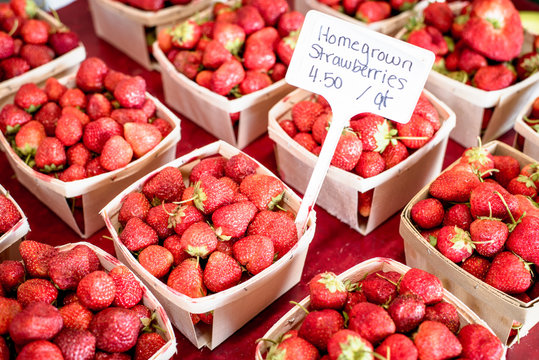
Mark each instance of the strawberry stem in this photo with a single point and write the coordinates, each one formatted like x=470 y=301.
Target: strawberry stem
x=14 y=27
x=300 y=306
x=383 y=277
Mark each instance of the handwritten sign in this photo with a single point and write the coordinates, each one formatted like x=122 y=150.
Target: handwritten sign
x=357 y=70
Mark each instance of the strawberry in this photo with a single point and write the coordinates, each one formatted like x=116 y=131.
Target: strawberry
x=509 y=273
x=183 y=217
x=67 y=268
x=147 y=345
x=416 y=133
x=321 y=126
x=421 y=283
x=94 y=168
x=305 y=113
x=36 y=290
x=425 y=109
x=508 y=168
x=289 y=127
x=12 y=118
x=4 y=350
x=115 y=356
x=115 y=329
x=8 y=309
x=50 y=155
x=470 y=61
x=142 y=137
x=9 y=214
x=37 y=321
x=372 y=11
x=231 y=221
x=428 y=213
x=98 y=106
x=349 y=343
x=402 y=5
x=76 y=316
x=7 y=45
x=354 y=297
x=439 y=15
x=522 y=185
x=156 y=259
x=134 y=205
x=494 y=29
x=129 y=292
x=319 y=326
x=158 y=219
x=255 y=252
x=435 y=341
x=446 y=313
x=215 y=54
x=173 y=244
x=13 y=66
x=488 y=236
x=264 y=191
x=186 y=34
x=478 y=342
x=68 y=130
x=306 y=140
x=455 y=243
x=527 y=65
x=286 y=46
x=524 y=240
x=163 y=126
x=477 y=266
x=277 y=226
x=349 y=6
x=73 y=97
x=63 y=41
x=167 y=185
x=394 y=153
x=116 y=153
x=293 y=348
x=187 y=278
x=397 y=346
x=199 y=240
x=36 y=257
x=239 y=166
x=289 y=22
x=76 y=112
x=136 y=235
x=203 y=78
x=210 y=194
x=54 y=89
x=494 y=77
x=267 y=35
x=48 y=115
x=371 y=321
x=96 y=291
x=491 y=199
x=188 y=62
x=91 y=75
x=40 y=349
x=214 y=166
x=36 y=55
x=370 y=164
x=221 y=272
x=112 y=78
x=348 y=151
x=11 y=274
x=249 y=19
x=227 y=76
x=231 y=36
x=380 y=287
x=327 y=291
x=271 y=10
x=131 y=92
x=34 y=31
x=78 y=154
x=29 y=97
x=429 y=38
x=454 y=186
x=76 y=344
x=254 y=81
x=407 y=312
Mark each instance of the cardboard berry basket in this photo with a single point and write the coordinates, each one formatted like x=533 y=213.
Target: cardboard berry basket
x=125 y=27
x=96 y=191
x=471 y=103
x=57 y=66
x=531 y=137
x=497 y=308
x=339 y=194
x=233 y=307
x=387 y=26
x=16 y=232
x=293 y=319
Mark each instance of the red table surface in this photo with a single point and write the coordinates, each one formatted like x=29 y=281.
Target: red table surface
x=335 y=247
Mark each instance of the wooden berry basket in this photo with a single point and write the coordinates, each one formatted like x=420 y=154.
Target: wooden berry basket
x=96 y=191
x=497 y=308
x=125 y=26
x=210 y=110
x=57 y=66
x=470 y=103
x=233 y=307
x=339 y=194
x=531 y=137
x=18 y=231
x=293 y=319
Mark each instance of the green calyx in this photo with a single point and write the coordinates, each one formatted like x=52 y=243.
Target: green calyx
x=526 y=181
x=460 y=76
x=12 y=129
x=32 y=108
x=26 y=150
x=199 y=197
x=274 y=202
x=30 y=8
x=182 y=33
x=531 y=64
x=197 y=251
x=176 y=217
x=383 y=136
x=234 y=46
x=51 y=168
x=354 y=348
x=219 y=233
x=332 y=283
x=462 y=240
x=433 y=240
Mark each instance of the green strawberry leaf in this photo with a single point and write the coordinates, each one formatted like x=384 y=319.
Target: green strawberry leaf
x=12 y=129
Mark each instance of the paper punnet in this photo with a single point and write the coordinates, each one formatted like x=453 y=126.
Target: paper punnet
x=293 y=318
x=530 y=146
x=235 y=306
x=495 y=307
x=96 y=191
x=339 y=194
x=127 y=28
x=16 y=232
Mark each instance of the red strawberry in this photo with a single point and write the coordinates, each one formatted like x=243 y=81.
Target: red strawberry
x=98 y=132
x=12 y=117
x=158 y=219
x=128 y=290
x=214 y=166
x=271 y=10
x=509 y=273
x=210 y=194
x=78 y=154
x=9 y=214
x=231 y=36
x=524 y=240
x=319 y=326
x=221 y=272
x=488 y=235
x=428 y=213
x=134 y=205
x=167 y=185
x=306 y=140
x=34 y=31
x=63 y=41
x=305 y=113
x=11 y=274
x=522 y=185
x=73 y=97
x=215 y=55
x=407 y=312
x=115 y=329
x=142 y=137
x=380 y=287
x=76 y=112
x=131 y=92
x=434 y=341
x=199 y=240
x=454 y=243
x=458 y=215
x=203 y=78
x=398 y=347
x=479 y=343
x=267 y=35
x=13 y=66
x=249 y=19
x=227 y=76
x=370 y=164
x=147 y=345
x=36 y=257
x=255 y=252
x=470 y=61
x=394 y=153
x=416 y=133
x=347 y=152
x=183 y=217
x=156 y=259
x=68 y=130
x=76 y=316
x=186 y=34
x=7 y=46
x=40 y=349
x=50 y=155
x=36 y=55
x=290 y=22
x=239 y=166
x=188 y=62
x=353 y=298
x=187 y=278
x=76 y=344
x=278 y=226
x=494 y=77
x=321 y=126
x=371 y=321
x=421 y=283
x=112 y=78
x=264 y=191
x=438 y=15
x=116 y=153
x=173 y=244
x=293 y=348
x=98 y=106
x=454 y=186
x=136 y=235
x=491 y=199
x=48 y=115
x=286 y=46
x=163 y=126
x=67 y=268
x=94 y=168
x=258 y=56
x=29 y=97
x=254 y=81
x=477 y=266
x=446 y=313
x=54 y=89
x=527 y=65
x=425 y=109
x=231 y=221
x=91 y=74
x=372 y=11
x=36 y=290
x=345 y=342
x=429 y=38
x=8 y=309
x=37 y=321
x=96 y=290
x=327 y=291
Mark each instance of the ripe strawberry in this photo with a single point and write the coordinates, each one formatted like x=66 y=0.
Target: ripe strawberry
x=289 y=22
x=203 y=78
x=524 y=240
x=227 y=76
x=262 y=190
x=221 y=272
x=91 y=75
x=270 y=10
x=421 y=283
x=429 y=38
x=478 y=342
x=173 y=244
x=231 y=221
x=278 y=226
x=286 y=46
x=76 y=344
x=7 y=45
x=407 y=312
x=397 y=346
x=215 y=55
x=183 y=217
x=306 y=140
x=68 y=130
x=96 y=291
x=371 y=321
x=527 y=65
x=394 y=154
x=305 y=113
x=446 y=313
x=380 y=287
x=188 y=62
x=63 y=41
x=354 y=297
x=98 y=106
x=187 y=278
x=425 y=109
x=319 y=326
x=112 y=78
x=458 y=215
x=239 y=166
x=34 y=31
x=129 y=292
x=94 y=168
x=438 y=15
x=494 y=77
x=116 y=153
x=75 y=316
x=255 y=252
x=131 y=92
x=428 y=213
x=12 y=118
x=509 y=273
x=249 y=19
x=210 y=194
x=477 y=266
x=320 y=127
x=48 y=115
x=68 y=267
x=115 y=329
x=167 y=185
x=36 y=257
x=156 y=259
x=214 y=166
x=254 y=80
x=73 y=97
x=40 y=349
x=137 y=235
x=78 y=154
x=76 y=112
x=37 y=321
x=293 y=348
x=370 y=164
x=36 y=290
x=147 y=345
x=13 y=66
x=347 y=152
x=11 y=274
x=158 y=219
x=163 y=126
x=199 y=240
x=29 y=97
x=488 y=236
x=435 y=341
x=267 y=35
x=416 y=133
x=54 y=89
x=134 y=205
x=327 y=291
x=455 y=243
x=142 y=137
x=486 y=200
x=9 y=214
x=454 y=186
x=470 y=61
x=289 y=127
x=8 y=309
x=36 y=55
x=186 y=34
x=372 y=11
x=50 y=155
x=522 y=185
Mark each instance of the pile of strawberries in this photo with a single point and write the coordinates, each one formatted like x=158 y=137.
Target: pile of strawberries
x=101 y=125
x=202 y=238
x=483 y=215
x=242 y=50
x=370 y=145
x=9 y=214
x=480 y=46
x=387 y=315
x=370 y=11
x=154 y=5
x=26 y=42
x=62 y=305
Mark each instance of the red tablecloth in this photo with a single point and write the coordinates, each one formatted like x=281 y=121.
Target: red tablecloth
x=335 y=247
